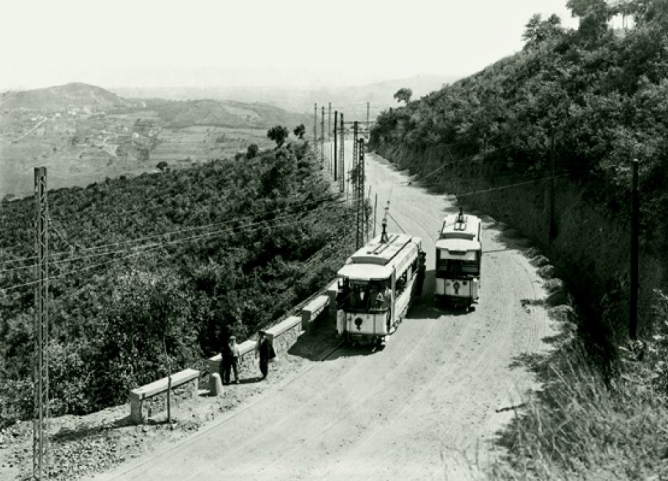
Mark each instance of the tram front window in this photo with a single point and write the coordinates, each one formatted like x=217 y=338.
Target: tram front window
x=457 y=268
x=367 y=297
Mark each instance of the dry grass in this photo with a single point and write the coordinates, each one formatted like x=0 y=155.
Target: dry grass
x=584 y=427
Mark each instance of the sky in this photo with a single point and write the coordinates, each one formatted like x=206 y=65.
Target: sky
x=222 y=43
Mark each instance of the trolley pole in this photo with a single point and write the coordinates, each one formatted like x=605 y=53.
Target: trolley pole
x=635 y=214
x=41 y=331
x=336 y=118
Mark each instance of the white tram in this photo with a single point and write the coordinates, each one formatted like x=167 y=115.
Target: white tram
x=377 y=285
x=458 y=260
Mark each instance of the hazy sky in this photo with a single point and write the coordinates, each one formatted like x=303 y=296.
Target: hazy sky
x=255 y=42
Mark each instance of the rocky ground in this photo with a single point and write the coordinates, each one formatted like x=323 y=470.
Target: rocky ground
x=83 y=445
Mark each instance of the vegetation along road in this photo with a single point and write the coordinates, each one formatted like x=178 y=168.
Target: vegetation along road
x=427 y=406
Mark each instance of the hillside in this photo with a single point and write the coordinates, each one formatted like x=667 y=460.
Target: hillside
x=226 y=246
x=83 y=134
x=223 y=113
x=572 y=109
x=63 y=97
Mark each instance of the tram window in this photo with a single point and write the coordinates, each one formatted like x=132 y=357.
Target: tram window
x=457 y=268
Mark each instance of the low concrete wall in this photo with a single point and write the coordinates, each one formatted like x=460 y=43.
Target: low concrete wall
x=312 y=311
x=246 y=360
x=152 y=398
x=285 y=334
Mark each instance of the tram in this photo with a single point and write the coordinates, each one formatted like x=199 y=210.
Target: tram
x=458 y=260
x=377 y=285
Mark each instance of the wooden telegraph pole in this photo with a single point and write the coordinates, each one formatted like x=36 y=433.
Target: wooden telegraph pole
x=336 y=118
x=553 y=224
x=635 y=214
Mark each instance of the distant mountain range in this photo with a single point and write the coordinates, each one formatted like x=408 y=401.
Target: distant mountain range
x=351 y=100
x=173 y=113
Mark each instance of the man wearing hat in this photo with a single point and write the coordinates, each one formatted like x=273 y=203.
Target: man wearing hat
x=265 y=351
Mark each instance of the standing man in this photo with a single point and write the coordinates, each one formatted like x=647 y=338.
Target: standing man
x=225 y=361
x=233 y=360
x=265 y=351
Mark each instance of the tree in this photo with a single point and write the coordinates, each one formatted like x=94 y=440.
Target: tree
x=403 y=95
x=145 y=333
x=252 y=151
x=299 y=131
x=537 y=30
x=278 y=134
x=162 y=166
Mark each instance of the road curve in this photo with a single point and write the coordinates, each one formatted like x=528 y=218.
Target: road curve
x=425 y=407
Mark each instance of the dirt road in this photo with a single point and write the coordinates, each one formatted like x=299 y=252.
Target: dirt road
x=425 y=407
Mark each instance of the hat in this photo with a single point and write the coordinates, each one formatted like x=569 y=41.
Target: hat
x=233 y=338
x=262 y=332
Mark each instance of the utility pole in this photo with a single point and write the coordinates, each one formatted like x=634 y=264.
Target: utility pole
x=358 y=186
x=553 y=223
x=40 y=447
x=342 y=148
x=322 y=138
x=336 y=118
x=367 y=118
x=329 y=120
x=315 y=128
x=635 y=214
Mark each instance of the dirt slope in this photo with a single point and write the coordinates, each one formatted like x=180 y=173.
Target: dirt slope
x=425 y=407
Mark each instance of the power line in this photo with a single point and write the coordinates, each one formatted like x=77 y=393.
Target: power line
x=179 y=231
x=144 y=249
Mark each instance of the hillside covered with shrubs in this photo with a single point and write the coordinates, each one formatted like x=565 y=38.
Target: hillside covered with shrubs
x=592 y=99
x=150 y=272
x=595 y=98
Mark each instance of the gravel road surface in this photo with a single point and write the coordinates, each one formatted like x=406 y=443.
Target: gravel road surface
x=427 y=406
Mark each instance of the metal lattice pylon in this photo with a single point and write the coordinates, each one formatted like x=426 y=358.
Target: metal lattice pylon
x=322 y=138
x=316 y=144
x=41 y=332
x=342 y=148
x=361 y=229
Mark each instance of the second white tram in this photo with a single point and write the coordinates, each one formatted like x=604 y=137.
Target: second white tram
x=459 y=260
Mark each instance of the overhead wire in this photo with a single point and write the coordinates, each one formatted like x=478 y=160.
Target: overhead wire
x=165 y=234
x=255 y=225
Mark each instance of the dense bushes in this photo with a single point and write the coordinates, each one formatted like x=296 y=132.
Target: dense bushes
x=150 y=272
x=601 y=94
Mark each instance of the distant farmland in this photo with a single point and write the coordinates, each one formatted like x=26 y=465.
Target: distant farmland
x=85 y=143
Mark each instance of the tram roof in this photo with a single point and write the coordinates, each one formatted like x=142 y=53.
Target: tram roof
x=377 y=259
x=458 y=245
x=452 y=228
x=365 y=272
x=381 y=253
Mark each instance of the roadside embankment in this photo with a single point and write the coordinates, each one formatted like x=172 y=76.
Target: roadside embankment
x=591 y=249
x=592 y=419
